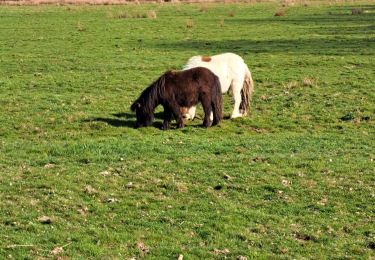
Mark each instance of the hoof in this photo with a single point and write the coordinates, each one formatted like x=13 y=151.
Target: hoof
x=188 y=117
x=243 y=112
x=236 y=116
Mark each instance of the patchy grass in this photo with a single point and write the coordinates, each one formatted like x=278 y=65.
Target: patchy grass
x=293 y=179
x=126 y=15
x=280 y=13
x=189 y=23
x=357 y=11
x=151 y=14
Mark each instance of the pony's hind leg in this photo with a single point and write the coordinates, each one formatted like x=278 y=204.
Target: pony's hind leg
x=236 y=90
x=214 y=117
x=207 y=113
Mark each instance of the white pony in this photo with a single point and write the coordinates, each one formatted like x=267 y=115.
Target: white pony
x=233 y=73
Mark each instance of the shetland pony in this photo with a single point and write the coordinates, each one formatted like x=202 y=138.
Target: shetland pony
x=176 y=89
x=233 y=73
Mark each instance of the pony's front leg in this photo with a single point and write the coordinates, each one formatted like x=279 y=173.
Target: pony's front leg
x=167 y=118
x=179 y=120
x=178 y=115
x=236 y=90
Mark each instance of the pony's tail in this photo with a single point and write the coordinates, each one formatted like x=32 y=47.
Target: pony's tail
x=246 y=92
x=217 y=102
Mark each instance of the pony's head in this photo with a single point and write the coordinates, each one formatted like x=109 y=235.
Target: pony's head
x=144 y=116
x=145 y=105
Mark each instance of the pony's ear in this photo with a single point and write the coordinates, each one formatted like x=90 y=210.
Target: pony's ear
x=135 y=105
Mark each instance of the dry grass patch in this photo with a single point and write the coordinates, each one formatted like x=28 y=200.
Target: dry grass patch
x=357 y=11
x=308 y=82
x=305 y=82
x=181 y=187
x=203 y=9
x=189 y=23
x=122 y=15
x=73 y=8
x=222 y=23
x=110 y=15
x=125 y=15
x=280 y=13
x=80 y=27
x=288 y=3
x=177 y=8
x=291 y=84
x=140 y=15
x=151 y=14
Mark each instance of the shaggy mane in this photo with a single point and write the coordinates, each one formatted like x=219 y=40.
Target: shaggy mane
x=150 y=95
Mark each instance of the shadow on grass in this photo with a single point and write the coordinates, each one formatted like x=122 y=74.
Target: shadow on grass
x=333 y=46
x=112 y=121
x=157 y=115
x=335 y=34
x=124 y=120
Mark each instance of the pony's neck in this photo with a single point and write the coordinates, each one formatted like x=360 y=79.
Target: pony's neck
x=151 y=98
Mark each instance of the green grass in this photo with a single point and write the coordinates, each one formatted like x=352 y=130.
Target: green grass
x=294 y=179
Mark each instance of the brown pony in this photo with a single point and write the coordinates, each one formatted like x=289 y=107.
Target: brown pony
x=177 y=89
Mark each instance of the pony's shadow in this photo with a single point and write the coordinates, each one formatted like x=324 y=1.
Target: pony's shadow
x=158 y=115
x=113 y=121
x=124 y=120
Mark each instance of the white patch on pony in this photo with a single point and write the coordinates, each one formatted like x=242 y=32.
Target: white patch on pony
x=191 y=113
x=185 y=111
x=232 y=72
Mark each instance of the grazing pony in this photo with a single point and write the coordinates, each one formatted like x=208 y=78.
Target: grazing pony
x=176 y=89
x=233 y=73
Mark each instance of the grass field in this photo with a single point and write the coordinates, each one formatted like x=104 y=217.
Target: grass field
x=294 y=179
